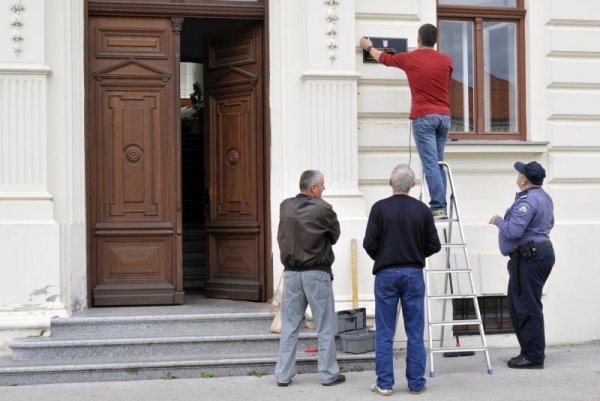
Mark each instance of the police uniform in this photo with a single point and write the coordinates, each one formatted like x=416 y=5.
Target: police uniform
x=524 y=237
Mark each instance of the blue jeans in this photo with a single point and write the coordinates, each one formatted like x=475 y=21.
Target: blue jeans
x=404 y=284
x=431 y=133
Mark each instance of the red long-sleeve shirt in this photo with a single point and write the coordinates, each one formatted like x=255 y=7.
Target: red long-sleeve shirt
x=428 y=72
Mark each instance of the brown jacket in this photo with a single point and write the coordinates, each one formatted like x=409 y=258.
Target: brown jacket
x=308 y=227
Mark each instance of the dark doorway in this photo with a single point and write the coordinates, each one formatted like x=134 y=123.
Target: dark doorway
x=194 y=188
x=175 y=204
x=222 y=150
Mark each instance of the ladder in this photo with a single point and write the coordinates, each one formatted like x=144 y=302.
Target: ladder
x=457 y=276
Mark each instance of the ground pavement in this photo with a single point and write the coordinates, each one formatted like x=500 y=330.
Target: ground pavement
x=571 y=373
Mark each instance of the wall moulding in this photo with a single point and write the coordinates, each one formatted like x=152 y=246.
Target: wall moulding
x=24 y=69
x=25 y=196
x=16 y=21
x=330 y=75
x=331 y=18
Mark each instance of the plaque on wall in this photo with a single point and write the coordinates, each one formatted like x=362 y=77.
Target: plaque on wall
x=386 y=45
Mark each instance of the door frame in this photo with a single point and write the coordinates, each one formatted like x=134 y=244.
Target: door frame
x=200 y=9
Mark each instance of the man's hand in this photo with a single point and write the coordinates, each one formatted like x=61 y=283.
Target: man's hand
x=365 y=42
x=494 y=219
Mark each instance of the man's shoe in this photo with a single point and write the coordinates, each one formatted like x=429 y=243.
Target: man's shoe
x=515 y=358
x=385 y=392
x=340 y=379
x=439 y=214
x=521 y=362
x=284 y=384
x=421 y=391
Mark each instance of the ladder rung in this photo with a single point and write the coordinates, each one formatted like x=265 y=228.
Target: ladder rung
x=452 y=296
x=454 y=245
x=448 y=270
x=453 y=219
x=461 y=349
x=456 y=323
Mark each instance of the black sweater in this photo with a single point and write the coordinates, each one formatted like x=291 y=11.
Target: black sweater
x=400 y=232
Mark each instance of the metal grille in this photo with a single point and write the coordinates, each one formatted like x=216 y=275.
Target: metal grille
x=494 y=314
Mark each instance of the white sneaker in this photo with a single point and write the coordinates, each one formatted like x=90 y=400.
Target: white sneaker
x=375 y=388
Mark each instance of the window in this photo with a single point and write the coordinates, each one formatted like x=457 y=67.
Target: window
x=494 y=314
x=485 y=39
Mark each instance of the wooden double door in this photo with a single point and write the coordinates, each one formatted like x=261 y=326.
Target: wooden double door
x=133 y=159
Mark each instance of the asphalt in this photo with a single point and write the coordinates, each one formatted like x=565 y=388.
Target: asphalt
x=571 y=373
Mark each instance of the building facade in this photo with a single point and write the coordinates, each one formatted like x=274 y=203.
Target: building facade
x=107 y=197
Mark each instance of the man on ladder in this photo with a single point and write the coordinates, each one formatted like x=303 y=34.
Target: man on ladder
x=428 y=72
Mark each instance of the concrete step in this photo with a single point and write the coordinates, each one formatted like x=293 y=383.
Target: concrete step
x=99 y=327
x=201 y=339
x=197 y=366
x=46 y=348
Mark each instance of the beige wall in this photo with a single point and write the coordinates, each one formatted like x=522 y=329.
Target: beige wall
x=563 y=125
x=344 y=117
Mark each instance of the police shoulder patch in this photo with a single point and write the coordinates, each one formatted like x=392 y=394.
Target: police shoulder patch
x=523 y=208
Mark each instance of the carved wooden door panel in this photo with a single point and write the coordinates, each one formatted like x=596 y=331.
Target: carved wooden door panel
x=235 y=171
x=133 y=158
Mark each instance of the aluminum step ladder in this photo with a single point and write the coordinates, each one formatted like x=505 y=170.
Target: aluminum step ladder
x=448 y=277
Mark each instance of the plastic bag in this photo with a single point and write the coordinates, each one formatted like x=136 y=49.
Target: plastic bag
x=277 y=300
x=276 y=323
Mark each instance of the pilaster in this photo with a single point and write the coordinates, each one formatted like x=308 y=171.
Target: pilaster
x=330 y=89
x=313 y=113
x=29 y=233
x=330 y=93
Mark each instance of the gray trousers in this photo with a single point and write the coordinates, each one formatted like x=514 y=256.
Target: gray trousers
x=312 y=288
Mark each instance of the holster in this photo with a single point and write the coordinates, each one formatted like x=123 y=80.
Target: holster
x=529 y=250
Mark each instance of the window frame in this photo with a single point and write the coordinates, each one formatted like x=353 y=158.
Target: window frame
x=479 y=15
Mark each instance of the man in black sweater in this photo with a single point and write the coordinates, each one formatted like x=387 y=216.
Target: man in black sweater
x=400 y=235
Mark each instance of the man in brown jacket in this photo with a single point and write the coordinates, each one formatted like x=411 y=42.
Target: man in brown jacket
x=308 y=227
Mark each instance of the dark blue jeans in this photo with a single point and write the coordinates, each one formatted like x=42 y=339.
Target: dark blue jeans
x=431 y=133
x=404 y=284
x=525 y=306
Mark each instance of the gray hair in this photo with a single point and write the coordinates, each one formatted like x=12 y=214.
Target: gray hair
x=402 y=178
x=308 y=178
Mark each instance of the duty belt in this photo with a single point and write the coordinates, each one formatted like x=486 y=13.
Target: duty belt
x=526 y=251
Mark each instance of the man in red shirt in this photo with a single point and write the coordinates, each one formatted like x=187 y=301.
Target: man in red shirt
x=428 y=72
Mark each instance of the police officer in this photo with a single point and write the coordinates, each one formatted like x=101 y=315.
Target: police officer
x=524 y=237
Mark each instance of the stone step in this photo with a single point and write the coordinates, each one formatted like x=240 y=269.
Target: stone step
x=161 y=325
x=198 y=366
x=206 y=338
x=47 y=348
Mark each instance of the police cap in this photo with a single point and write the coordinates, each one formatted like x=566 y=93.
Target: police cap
x=533 y=171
